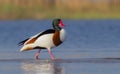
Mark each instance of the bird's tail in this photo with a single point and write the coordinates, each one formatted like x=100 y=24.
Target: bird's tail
x=27 y=47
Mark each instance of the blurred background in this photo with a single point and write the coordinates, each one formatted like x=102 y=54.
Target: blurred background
x=92 y=45
x=70 y=9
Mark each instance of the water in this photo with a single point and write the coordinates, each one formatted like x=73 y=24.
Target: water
x=91 y=47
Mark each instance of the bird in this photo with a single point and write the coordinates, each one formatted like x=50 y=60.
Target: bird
x=47 y=39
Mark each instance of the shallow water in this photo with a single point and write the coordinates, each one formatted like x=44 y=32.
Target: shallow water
x=91 y=47
x=60 y=66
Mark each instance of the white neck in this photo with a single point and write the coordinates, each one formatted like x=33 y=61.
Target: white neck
x=62 y=35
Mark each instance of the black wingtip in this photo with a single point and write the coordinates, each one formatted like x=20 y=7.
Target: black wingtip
x=22 y=42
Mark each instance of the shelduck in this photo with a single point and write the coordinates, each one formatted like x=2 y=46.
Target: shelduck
x=46 y=39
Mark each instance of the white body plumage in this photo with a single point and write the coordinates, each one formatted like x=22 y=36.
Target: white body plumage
x=45 y=40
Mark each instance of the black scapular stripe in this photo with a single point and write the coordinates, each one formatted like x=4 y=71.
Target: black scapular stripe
x=49 y=31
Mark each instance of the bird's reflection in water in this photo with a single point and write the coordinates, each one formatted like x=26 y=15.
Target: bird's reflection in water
x=41 y=67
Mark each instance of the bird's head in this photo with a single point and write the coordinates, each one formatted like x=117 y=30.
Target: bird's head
x=57 y=24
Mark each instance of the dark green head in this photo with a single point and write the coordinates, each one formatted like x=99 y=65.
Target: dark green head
x=57 y=24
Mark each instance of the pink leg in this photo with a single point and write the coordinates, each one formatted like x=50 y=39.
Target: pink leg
x=51 y=55
x=37 y=54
